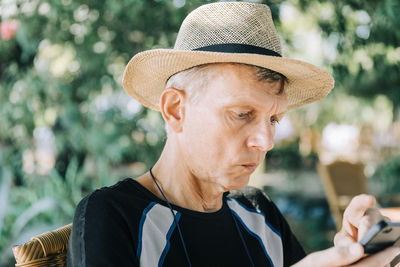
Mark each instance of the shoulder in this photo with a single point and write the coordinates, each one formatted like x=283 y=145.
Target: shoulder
x=106 y=195
x=105 y=222
x=121 y=188
x=119 y=206
x=253 y=202
x=114 y=202
x=252 y=198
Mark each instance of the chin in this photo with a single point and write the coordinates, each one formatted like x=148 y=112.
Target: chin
x=238 y=183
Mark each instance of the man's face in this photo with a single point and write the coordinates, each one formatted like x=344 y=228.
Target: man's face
x=228 y=131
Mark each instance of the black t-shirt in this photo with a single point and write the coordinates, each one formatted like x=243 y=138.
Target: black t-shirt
x=127 y=225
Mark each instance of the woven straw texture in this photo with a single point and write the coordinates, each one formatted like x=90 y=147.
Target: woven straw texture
x=219 y=23
x=47 y=249
x=229 y=23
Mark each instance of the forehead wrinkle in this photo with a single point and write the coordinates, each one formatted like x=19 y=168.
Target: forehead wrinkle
x=279 y=106
x=275 y=106
x=245 y=91
x=249 y=93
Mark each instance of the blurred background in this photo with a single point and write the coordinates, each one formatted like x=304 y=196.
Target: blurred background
x=67 y=127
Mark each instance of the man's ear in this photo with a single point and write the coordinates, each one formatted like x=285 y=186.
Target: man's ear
x=172 y=104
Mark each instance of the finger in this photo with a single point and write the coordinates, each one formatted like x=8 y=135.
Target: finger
x=379 y=259
x=333 y=257
x=356 y=210
x=372 y=216
x=343 y=239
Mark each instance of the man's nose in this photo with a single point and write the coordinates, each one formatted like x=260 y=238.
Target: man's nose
x=262 y=137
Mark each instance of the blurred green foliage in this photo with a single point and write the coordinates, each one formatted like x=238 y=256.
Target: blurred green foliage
x=389 y=175
x=367 y=43
x=309 y=218
x=288 y=156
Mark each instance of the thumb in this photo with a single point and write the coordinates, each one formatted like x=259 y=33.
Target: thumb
x=334 y=256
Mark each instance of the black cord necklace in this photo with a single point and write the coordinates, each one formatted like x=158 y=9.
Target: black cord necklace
x=180 y=232
x=176 y=222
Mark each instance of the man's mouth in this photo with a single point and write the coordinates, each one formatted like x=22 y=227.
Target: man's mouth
x=250 y=166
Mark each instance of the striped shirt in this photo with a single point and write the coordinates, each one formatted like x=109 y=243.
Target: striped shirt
x=126 y=225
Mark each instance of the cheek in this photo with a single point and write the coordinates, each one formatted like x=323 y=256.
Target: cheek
x=210 y=142
x=210 y=139
x=207 y=144
x=273 y=131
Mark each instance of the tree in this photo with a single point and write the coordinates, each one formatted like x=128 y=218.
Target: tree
x=368 y=46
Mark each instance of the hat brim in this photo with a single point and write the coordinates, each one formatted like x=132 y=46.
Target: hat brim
x=147 y=72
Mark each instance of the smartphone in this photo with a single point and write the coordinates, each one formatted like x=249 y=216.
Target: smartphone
x=382 y=235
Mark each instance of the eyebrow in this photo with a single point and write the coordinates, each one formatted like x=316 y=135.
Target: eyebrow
x=252 y=107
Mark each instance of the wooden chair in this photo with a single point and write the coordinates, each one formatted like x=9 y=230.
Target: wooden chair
x=342 y=181
x=47 y=249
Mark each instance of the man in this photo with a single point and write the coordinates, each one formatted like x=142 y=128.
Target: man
x=221 y=91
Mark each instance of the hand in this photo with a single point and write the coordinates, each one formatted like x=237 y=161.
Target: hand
x=348 y=256
x=358 y=217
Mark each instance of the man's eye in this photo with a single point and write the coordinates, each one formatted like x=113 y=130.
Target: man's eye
x=274 y=120
x=243 y=115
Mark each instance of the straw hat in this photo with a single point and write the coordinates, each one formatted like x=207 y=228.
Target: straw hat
x=224 y=32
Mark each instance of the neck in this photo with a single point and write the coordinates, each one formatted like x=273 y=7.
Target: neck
x=180 y=186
